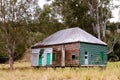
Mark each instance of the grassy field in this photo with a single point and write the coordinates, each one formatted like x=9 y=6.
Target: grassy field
x=24 y=71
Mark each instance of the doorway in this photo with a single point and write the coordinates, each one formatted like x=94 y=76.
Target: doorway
x=40 y=59
x=86 y=58
x=102 y=57
x=48 y=59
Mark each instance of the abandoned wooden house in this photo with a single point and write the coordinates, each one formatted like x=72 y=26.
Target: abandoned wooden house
x=69 y=47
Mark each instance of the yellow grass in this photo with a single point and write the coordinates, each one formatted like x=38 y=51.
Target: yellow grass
x=24 y=71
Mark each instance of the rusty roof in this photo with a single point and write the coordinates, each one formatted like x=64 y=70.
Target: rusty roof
x=68 y=36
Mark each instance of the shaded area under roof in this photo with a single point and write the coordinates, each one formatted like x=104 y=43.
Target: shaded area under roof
x=68 y=36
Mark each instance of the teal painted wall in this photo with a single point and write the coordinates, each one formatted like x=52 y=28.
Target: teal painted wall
x=97 y=54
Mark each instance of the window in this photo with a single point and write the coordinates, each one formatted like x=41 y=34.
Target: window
x=73 y=56
x=41 y=51
x=85 y=52
x=85 y=57
x=54 y=57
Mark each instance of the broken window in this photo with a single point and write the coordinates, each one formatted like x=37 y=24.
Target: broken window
x=73 y=56
x=54 y=56
x=85 y=57
x=85 y=52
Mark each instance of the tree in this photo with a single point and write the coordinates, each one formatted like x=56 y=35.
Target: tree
x=100 y=11
x=86 y=14
x=48 y=22
x=95 y=13
x=71 y=12
x=113 y=40
x=44 y=24
x=112 y=35
x=14 y=16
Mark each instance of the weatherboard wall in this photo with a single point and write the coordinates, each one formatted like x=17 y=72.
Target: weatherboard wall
x=97 y=54
x=41 y=60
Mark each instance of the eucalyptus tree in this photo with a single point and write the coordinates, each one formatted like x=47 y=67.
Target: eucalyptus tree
x=100 y=11
x=14 y=17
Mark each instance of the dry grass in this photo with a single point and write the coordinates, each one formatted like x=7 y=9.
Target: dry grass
x=24 y=71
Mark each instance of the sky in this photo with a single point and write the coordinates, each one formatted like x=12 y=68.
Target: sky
x=115 y=12
x=42 y=2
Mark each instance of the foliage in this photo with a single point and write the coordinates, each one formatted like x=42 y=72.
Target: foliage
x=113 y=40
x=44 y=25
x=113 y=57
x=73 y=13
x=85 y=14
x=14 y=15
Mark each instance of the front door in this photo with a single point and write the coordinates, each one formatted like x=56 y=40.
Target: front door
x=86 y=58
x=48 y=59
x=40 y=59
x=102 y=57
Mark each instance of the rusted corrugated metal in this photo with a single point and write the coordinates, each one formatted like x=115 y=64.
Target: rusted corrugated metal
x=68 y=36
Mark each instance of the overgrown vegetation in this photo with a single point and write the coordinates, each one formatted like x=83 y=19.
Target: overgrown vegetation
x=24 y=71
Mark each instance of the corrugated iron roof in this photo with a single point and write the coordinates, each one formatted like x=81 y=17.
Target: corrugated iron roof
x=70 y=35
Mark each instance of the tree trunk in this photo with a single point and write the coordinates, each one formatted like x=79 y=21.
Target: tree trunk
x=98 y=31
x=97 y=25
x=11 y=61
x=103 y=31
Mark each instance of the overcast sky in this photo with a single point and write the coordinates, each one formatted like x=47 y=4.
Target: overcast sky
x=114 y=12
x=42 y=2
